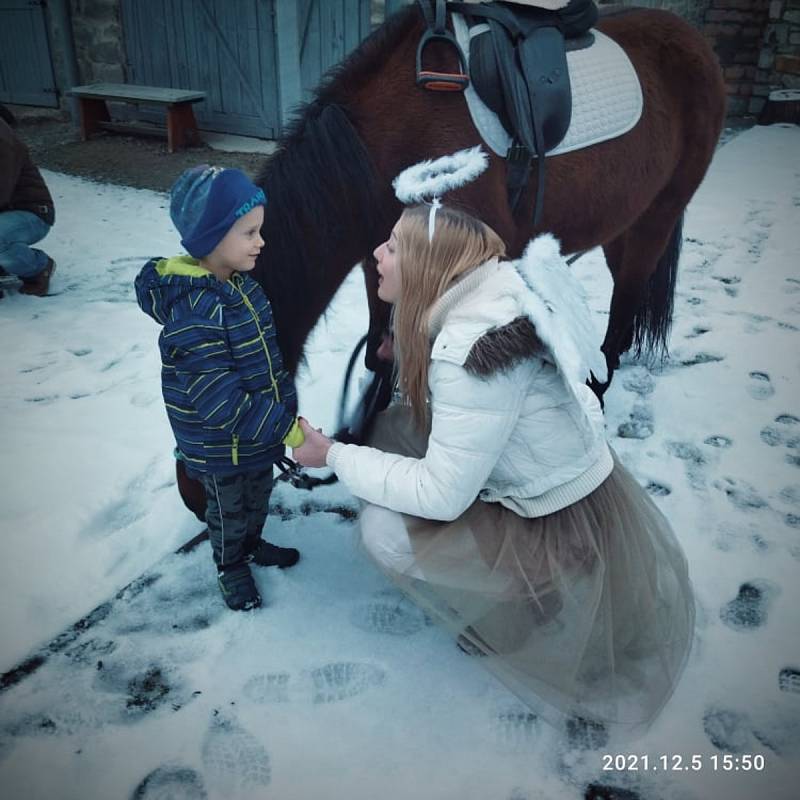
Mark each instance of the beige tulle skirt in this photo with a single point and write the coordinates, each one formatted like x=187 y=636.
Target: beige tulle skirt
x=586 y=612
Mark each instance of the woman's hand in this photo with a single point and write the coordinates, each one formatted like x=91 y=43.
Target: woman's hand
x=314 y=449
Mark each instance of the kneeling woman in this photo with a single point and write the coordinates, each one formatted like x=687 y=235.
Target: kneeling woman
x=492 y=497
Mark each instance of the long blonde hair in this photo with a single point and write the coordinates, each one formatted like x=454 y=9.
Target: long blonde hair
x=460 y=243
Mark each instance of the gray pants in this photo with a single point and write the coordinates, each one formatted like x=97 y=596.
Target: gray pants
x=236 y=510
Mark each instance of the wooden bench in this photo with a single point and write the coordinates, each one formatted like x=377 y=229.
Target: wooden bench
x=181 y=124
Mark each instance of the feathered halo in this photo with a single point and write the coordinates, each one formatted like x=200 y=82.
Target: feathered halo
x=428 y=180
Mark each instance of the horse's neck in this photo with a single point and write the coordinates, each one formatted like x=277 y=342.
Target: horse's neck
x=328 y=207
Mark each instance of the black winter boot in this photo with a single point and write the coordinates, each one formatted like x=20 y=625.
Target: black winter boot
x=265 y=554
x=238 y=587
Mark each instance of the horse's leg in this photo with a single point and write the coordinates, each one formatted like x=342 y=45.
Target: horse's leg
x=192 y=492
x=643 y=264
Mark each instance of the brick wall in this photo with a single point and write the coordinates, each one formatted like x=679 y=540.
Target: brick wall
x=779 y=57
x=757 y=43
x=735 y=29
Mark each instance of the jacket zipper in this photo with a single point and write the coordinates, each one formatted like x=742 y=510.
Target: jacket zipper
x=252 y=311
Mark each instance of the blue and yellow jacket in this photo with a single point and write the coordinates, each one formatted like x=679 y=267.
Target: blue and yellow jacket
x=231 y=403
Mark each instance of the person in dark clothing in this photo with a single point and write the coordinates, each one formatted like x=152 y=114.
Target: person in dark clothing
x=231 y=403
x=26 y=213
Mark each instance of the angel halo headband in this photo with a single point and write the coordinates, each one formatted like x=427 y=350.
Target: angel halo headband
x=428 y=180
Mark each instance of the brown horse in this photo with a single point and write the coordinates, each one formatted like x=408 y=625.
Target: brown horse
x=330 y=201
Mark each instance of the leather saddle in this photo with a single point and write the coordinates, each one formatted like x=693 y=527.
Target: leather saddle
x=519 y=69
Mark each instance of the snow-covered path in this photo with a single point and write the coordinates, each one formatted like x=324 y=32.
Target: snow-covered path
x=339 y=687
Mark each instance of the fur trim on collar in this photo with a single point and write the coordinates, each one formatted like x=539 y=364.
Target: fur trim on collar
x=501 y=349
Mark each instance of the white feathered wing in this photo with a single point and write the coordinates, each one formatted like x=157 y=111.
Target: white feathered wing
x=559 y=311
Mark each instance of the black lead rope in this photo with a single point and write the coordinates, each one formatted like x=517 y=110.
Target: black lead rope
x=293 y=473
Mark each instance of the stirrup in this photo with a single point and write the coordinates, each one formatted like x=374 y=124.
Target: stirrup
x=441 y=81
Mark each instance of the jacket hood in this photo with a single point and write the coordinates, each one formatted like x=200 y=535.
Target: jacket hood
x=163 y=282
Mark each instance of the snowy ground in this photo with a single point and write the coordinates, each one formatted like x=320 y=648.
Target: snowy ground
x=338 y=687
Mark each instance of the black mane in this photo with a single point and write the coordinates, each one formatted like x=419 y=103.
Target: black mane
x=324 y=198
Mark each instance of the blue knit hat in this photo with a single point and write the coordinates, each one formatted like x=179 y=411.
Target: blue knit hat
x=205 y=202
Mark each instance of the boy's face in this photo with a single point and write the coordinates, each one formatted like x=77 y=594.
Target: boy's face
x=238 y=250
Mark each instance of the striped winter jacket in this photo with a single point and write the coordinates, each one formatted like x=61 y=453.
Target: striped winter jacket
x=231 y=404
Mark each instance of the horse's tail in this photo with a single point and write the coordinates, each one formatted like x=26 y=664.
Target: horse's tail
x=653 y=320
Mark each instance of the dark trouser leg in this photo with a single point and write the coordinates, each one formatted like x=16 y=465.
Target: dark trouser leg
x=226 y=518
x=257 y=489
x=256 y=501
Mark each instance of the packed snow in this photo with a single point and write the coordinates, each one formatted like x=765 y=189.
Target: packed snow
x=339 y=687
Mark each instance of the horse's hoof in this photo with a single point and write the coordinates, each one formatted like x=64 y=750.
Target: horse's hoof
x=598 y=387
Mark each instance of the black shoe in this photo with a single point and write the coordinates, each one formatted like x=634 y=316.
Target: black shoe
x=39 y=283
x=265 y=554
x=238 y=587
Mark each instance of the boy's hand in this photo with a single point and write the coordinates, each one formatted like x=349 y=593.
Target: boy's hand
x=314 y=449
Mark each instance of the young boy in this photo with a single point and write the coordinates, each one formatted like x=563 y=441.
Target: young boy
x=231 y=404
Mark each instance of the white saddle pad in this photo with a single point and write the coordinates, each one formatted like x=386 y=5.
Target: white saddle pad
x=606 y=95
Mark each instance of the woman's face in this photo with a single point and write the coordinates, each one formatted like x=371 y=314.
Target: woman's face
x=388 y=269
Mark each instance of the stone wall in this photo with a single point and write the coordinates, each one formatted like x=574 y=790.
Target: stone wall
x=98 y=41
x=99 y=47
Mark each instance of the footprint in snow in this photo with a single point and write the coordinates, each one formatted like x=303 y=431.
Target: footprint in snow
x=143 y=691
x=657 y=489
x=741 y=494
x=330 y=683
x=515 y=728
x=171 y=783
x=784 y=431
x=697 y=330
x=775 y=729
x=750 y=608
x=270 y=688
x=701 y=358
x=392 y=613
x=793 y=287
x=586 y=734
x=694 y=459
x=729 y=731
x=723 y=442
x=760 y=387
x=638 y=380
x=341 y=680
x=729 y=282
x=789 y=680
x=235 y=762
x=639 y=426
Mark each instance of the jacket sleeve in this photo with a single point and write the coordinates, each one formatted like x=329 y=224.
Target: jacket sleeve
x=472 y=420
x=206 y=371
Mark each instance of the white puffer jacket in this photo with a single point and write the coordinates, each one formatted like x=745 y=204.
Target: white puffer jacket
x=508 y=425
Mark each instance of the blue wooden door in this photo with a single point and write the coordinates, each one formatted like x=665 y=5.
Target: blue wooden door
x=256 y=59
x=26 y=68
x=328 y=30
x=225 y=48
